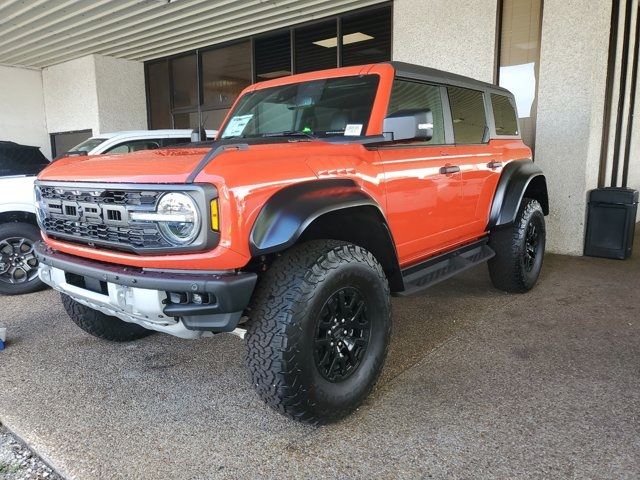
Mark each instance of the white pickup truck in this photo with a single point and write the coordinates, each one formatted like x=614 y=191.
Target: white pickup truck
x=19 y=165
x=18 y=228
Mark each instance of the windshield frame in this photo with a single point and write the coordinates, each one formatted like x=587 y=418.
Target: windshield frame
x=303 y=135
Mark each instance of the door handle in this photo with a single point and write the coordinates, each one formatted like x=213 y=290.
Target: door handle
x=449 y=169
x=493 y=164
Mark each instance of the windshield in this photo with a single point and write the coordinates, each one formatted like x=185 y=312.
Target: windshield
x=319 y=108
x=87 y=145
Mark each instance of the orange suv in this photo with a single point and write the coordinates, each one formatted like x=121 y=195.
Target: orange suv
x=322 y=194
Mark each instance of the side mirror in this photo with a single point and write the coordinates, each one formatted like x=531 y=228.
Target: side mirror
x=409 y=125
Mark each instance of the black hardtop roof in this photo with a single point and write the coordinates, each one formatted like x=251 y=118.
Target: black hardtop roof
x=418 y=72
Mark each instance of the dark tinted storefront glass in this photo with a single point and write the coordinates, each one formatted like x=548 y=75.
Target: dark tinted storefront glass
x=226 y=72
x=273 y=56
x=316 y=47
x=186 y=120
x=62 y=142
x=366 y=37
x=158 y=81
x=175 y=91
x=185 y=82
x=212 y=119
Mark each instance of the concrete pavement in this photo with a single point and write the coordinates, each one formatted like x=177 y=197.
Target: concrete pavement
x=478 y=384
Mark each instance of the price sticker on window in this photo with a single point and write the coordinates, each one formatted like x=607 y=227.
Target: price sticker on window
x=353 y=130
x=237 y=125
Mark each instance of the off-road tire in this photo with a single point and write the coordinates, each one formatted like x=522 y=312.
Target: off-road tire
x=283 y=322
x=100 y=325
x=508 y=269
x=31 y=233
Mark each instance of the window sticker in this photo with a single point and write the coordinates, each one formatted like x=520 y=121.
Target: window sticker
x=237 y=125
x=353 y=129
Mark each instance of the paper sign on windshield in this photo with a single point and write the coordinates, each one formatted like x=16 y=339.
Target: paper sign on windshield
x=237 y=125
x=353 y=129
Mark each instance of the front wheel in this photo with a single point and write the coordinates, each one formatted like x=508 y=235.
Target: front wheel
x=318 y=330
x=18 y=263
x=519 y=250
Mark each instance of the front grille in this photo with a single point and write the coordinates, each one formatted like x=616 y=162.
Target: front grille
x=108 y=197
x=143 y=237
x=99 y=216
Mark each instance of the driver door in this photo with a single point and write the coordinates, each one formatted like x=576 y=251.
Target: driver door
x=423 y=178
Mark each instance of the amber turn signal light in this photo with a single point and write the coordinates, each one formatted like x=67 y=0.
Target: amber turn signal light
x=215 y=216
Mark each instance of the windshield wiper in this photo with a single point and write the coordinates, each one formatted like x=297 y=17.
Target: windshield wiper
x=291 y=133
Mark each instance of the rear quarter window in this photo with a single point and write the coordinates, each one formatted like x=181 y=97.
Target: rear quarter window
x=468 y=115
x=504 y=114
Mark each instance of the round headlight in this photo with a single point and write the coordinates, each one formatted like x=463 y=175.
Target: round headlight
x=180 y=222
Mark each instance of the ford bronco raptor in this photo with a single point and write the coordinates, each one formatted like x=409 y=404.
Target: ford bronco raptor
x=322 y=194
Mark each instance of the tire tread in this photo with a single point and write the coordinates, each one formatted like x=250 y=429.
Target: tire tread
x=273 y=335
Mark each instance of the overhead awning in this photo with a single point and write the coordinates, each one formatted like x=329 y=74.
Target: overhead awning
x=40 y=33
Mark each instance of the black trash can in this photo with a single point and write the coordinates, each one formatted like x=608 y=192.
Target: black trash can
x=611 y=221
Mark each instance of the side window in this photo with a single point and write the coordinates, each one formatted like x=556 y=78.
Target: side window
x=406 y=95
x=467 y=112
x=504 y=114
x=134 y=146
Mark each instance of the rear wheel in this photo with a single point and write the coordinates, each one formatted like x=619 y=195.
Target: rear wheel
x=18 y=263
x=318 y=330
x=100 y=325
x=519 y=250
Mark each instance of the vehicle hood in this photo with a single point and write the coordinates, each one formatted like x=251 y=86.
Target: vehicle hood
x=147 y=166
x=176 y=165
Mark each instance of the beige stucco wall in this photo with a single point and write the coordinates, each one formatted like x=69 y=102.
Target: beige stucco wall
x=70 y=97
x=121 y=94
x=453 y=35
x=22 y=108
x=573 y=71
x=101 y=93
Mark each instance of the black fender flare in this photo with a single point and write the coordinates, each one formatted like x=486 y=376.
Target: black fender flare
x=514 y=181
x=292 y=209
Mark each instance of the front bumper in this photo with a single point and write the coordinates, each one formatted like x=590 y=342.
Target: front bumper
x=158 y=300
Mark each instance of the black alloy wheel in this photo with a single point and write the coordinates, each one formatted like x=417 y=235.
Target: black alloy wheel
x=532 y=246
x=342 y=335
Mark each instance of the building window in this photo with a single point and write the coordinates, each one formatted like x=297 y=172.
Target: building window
x=273 y=56
x=184 y=73
x=226 y=72
x=366 y=37
x=519 y=45
x=64 y=142
x=199 y=87
x=158 y=94
x=468 y=115
x=316 y=47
